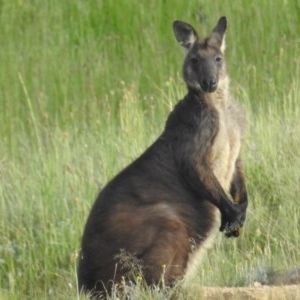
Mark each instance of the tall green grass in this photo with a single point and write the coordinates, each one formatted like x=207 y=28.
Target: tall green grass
x=86 y=86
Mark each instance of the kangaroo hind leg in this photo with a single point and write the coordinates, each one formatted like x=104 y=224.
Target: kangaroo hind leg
x=165 y=260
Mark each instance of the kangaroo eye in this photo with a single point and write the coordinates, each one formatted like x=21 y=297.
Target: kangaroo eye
x=218 y=58
x=194 y=60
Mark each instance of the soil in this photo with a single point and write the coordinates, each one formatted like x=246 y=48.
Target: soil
x=256 y=292
x=282 y=286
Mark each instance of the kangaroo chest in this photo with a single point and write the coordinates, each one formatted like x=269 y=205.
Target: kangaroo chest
x=225 y=148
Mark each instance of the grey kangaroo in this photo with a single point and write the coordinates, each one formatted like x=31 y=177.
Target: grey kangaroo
x=167 y=204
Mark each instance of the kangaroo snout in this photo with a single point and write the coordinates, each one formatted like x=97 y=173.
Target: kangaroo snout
x=209 y=85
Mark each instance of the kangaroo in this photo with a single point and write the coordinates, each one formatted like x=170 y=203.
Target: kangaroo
x=165 y=206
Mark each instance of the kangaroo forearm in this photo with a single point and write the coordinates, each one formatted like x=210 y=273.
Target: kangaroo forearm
x=208 y=187
x=238 y=189
x=238 y=192
x=217 y=195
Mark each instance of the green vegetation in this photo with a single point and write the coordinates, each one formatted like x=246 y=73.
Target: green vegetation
x=86 y=86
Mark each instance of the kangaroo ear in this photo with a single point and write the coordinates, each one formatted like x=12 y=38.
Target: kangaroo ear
x=218 y=33
x=185 y=34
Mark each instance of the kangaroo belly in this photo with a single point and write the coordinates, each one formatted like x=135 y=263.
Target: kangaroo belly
x=225 y=151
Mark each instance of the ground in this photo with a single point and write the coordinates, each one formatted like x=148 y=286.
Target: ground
x=256 y=292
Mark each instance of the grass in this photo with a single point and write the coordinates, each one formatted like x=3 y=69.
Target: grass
x=86 y=86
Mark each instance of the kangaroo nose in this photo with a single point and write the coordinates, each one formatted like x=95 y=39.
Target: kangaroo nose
x=209 y=85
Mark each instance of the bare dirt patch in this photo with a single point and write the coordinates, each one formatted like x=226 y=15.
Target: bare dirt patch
x=262 y=292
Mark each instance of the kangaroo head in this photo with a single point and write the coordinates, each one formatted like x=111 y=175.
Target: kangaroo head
x=203 y=66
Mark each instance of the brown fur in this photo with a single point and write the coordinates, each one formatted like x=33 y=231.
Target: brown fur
x=163 y=209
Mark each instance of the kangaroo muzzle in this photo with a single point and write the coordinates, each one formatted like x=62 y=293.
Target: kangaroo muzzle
x=208 y=78
x=209 y=85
